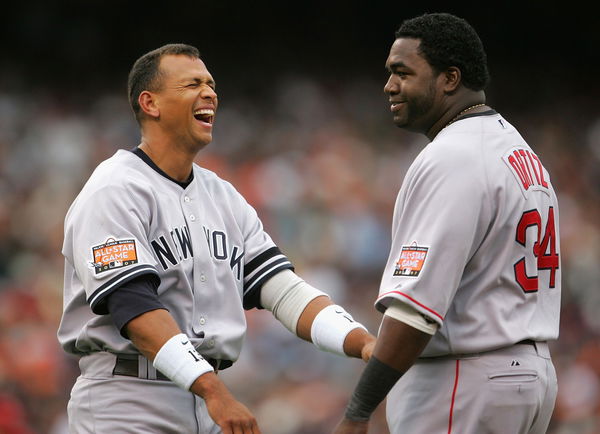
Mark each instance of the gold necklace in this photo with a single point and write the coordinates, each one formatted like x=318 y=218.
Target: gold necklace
x=463 y=112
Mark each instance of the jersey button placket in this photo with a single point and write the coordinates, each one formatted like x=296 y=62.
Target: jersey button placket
x=187 y=200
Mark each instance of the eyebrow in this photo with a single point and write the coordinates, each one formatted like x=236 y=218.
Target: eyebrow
x=396 y=65
x=208 y=81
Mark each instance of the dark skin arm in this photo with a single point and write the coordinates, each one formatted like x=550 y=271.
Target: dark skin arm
x=358 y=343
x=149 y=332
x=398 y=346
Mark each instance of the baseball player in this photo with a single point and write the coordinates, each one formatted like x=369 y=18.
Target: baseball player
x=471 y=289
x=162 y=258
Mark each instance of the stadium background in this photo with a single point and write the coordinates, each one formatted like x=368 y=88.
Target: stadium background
x=304 y=132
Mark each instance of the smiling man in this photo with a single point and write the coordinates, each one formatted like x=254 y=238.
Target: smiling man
x=471 y=289
x=161 y=259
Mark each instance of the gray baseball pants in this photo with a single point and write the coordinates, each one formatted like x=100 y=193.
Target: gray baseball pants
x=507 y=391
x=105 y=403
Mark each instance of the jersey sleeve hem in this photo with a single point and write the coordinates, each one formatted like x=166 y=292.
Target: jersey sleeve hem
x=97 y=300
x=384 y=299
x=259 y=270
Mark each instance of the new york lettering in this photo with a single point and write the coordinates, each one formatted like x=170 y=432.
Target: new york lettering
x=177 y=246
x=217 y=246
x=180 y=240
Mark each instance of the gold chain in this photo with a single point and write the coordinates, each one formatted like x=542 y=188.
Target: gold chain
x=463 y=112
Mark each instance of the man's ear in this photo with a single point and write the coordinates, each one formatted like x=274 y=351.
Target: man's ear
x=452 y=78
x=149 y=104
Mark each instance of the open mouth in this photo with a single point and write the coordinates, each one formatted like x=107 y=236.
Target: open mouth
x=205 y=115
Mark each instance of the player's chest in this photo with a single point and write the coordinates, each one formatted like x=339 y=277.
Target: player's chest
x=190 y=228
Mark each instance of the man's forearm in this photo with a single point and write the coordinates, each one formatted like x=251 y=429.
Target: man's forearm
x=397 y=347
x=151 y=330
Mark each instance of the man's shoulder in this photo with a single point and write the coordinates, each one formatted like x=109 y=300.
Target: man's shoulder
x=117 y=167
x=222 y=192
x=122 y=172
x=470 y=138
x=452 y=148
x=211 y=180
x=119 y=180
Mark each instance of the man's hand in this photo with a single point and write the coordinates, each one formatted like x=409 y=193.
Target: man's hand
x=349 y=427
x=367 y=349
x=359 y=343
x=232 y=416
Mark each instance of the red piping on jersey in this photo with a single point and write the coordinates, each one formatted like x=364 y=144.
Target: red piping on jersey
x=453 y=398
x=414 y=301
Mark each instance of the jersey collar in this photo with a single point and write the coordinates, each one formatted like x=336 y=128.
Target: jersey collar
x=473 y=115
x=146 y=159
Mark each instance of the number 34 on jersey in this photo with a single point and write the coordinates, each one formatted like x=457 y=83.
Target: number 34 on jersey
x=539 y=240
x=543 y=249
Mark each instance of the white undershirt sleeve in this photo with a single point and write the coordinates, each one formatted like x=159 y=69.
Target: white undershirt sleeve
x=410 y=316
x=286 y=295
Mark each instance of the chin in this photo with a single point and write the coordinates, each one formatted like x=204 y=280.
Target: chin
x=203 y=141
x=400 y=122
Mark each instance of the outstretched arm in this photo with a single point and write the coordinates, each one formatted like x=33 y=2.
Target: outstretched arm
x=311 y=315
x=358 y=342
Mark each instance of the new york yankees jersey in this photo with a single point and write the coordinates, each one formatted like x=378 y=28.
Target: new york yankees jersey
x=204 y=242
x=476 y=240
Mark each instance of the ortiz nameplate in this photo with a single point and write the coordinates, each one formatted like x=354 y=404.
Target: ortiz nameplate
x=114 y=254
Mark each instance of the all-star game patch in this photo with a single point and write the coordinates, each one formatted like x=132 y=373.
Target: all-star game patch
x=114 y=254
x=411 y=260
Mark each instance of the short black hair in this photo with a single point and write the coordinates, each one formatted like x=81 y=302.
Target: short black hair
x=447 y=40
x=145 y=73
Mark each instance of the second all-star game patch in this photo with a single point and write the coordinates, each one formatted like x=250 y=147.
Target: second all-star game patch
x=114 y=254
x=411 y=261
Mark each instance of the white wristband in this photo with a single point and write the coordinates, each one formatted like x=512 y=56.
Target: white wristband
x=330 y=328
x=179 y=361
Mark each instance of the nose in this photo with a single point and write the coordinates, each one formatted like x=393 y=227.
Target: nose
x=391 y=86
x=208 y=93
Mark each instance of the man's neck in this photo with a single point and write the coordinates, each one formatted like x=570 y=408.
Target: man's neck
x=173 y=160
x=473 y=102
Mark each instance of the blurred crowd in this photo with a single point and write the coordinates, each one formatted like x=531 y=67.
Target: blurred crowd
x=322 y=165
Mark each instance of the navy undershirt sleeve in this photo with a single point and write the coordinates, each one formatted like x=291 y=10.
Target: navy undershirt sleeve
x=134 y=298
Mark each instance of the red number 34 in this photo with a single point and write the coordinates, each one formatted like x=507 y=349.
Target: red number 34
x=546 y=260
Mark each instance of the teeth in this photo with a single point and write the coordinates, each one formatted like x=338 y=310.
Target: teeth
x=209 y=112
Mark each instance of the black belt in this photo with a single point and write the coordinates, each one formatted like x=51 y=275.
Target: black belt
x=128 y=365
x=526 y=342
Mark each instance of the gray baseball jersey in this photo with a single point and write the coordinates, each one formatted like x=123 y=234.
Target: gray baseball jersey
x=204 y=242
x=476 y=240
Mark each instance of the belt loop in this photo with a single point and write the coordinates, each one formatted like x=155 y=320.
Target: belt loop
x=151 y=370
x=142 y=367
x=148 y=371
x=542 y=349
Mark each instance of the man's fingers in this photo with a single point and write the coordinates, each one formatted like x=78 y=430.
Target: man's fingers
x=251 y=428
x=240 y=427
x=254 y=429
